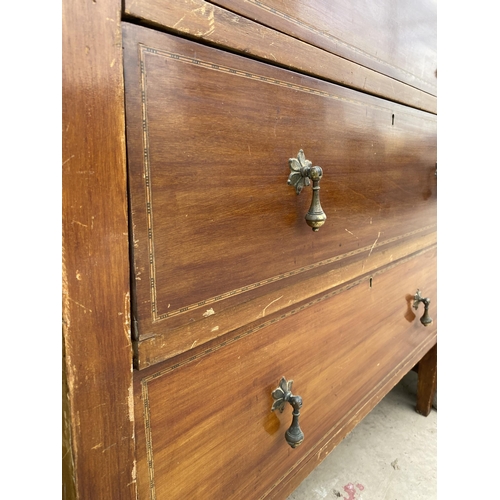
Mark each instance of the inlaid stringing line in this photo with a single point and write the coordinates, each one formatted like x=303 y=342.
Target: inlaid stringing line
x=149 y=443
x=285 y=275
x=275 y=81
x=147 y=183
x=272 y=81
x=149 y=208
x=347 y=419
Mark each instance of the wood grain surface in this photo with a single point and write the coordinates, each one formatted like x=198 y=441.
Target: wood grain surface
x=397 y=38
x=208 y=23
x=231 y=290
x=96 y=292
x=207 y=414
x=427 y=382
x=215 y=224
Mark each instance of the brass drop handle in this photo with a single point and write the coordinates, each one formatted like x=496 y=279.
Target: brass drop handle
x=301 y=172
x=281 y=395
x=425 y=319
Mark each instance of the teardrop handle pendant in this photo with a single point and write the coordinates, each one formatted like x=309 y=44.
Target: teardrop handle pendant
x=301 y=174
x=425 y=319
x=281 y=395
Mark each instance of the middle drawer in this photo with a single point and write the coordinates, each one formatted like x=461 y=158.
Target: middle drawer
x=217 y=232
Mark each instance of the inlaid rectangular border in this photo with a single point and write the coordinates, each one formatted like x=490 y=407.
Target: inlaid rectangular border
x=145 y=381
x=157 y=316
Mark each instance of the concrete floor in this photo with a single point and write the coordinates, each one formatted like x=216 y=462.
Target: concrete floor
x=390 y=455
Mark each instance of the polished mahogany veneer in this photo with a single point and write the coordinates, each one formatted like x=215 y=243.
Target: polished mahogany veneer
x=397 y=38
x=193 y=285
x=209 y=412
x=215 y=224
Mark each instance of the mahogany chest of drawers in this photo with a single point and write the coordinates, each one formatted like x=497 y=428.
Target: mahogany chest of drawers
x=263 y=209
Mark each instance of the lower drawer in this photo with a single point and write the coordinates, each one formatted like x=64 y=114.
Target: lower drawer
x=205 y=425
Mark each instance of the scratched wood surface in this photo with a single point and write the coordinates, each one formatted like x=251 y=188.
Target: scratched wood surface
x=208 y=23
x=397 y=37
x=215 y=224
x=96 y=309
x=206 y=414
x=261 y=304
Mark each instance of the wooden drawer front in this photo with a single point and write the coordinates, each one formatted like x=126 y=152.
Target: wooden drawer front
x=207 y=415
x=397 y=38
x=214 y=223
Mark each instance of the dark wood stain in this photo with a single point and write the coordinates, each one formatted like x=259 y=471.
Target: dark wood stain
x=208 y=23
x=336 y=367
x=225 y=194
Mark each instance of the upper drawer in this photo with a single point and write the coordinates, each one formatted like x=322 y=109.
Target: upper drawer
x=394 y=37
x=216 y=229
